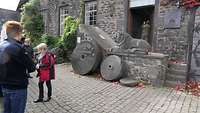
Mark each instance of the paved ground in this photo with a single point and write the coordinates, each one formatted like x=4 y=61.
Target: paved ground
x=79 y=94
x=1 y=106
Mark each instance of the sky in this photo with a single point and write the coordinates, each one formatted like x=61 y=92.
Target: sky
x=9 y=4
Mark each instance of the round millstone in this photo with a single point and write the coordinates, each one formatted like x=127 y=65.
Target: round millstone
x=86 y=57
x=112 y=68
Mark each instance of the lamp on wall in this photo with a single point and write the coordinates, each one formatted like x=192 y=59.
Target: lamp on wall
x=63 y=2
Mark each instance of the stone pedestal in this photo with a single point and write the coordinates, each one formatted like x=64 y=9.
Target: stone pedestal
x=150 y=68
x=176 y=74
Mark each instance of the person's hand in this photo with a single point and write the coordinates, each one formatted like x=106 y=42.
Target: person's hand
x=37 y=66
x=37 y=75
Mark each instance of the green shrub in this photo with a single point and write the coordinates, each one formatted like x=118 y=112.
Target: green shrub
x=51 y=41
x=53 y=46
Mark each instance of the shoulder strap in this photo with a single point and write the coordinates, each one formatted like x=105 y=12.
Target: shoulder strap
x=49 y=58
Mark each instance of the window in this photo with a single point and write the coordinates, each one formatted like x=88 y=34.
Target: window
x=90 y=13
x=64 y=12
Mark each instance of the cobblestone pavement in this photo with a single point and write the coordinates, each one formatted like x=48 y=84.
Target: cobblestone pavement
x=81 y=94
x=1 y=107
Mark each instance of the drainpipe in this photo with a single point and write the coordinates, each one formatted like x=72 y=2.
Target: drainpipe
x=126 y=9
x=155 y=25
x=191 y=24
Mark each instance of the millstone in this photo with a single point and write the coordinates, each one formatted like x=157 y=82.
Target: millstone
x=101 y=37
x=112 y=68
x=86 y=57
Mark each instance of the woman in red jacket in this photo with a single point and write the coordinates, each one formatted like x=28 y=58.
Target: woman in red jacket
x=46 y=72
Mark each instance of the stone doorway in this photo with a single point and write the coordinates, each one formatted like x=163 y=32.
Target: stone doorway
x=140 y=22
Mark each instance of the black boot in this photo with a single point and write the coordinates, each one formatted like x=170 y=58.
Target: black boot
x=48 y=99
x=38 y=100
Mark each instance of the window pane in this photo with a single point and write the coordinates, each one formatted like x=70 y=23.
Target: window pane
x=90 y=12
x=91 y=8
x=64 y=12
x=95 y=7
x=91 y=18
x=91 y=23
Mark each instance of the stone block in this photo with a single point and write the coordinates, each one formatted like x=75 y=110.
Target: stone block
x=128 y=82
x=150 y=68
x=178 y=66
x=178 y=72
x=174 y=77
x=169 y=83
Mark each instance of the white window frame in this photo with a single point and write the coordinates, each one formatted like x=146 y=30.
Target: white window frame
x=91 y=13
x=64 y=12
x=141 y=3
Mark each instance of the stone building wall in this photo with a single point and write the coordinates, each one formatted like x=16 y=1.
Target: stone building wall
x=44 y=9
x=51 y=9
x=111 y=15
x=52 y=17
x=172 y=41
x=8 y=15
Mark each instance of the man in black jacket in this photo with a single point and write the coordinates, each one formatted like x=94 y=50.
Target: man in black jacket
x=14 y=63
x=29 y=50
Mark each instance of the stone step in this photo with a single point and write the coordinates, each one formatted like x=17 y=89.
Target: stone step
x=177 y=72
x=169 y=83
x=178 y=66
x=174 y=77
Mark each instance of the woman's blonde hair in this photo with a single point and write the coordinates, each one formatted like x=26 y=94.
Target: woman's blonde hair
x=42 y=46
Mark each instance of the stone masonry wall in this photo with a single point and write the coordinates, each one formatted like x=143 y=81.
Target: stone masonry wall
x=8 y=15
x=111 y=15
x=150 y=68
x=51 y=13
x=44 y=10
x=172 y=41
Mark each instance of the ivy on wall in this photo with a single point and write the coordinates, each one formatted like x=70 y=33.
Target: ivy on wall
x=67 y=42
x=68 y=39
